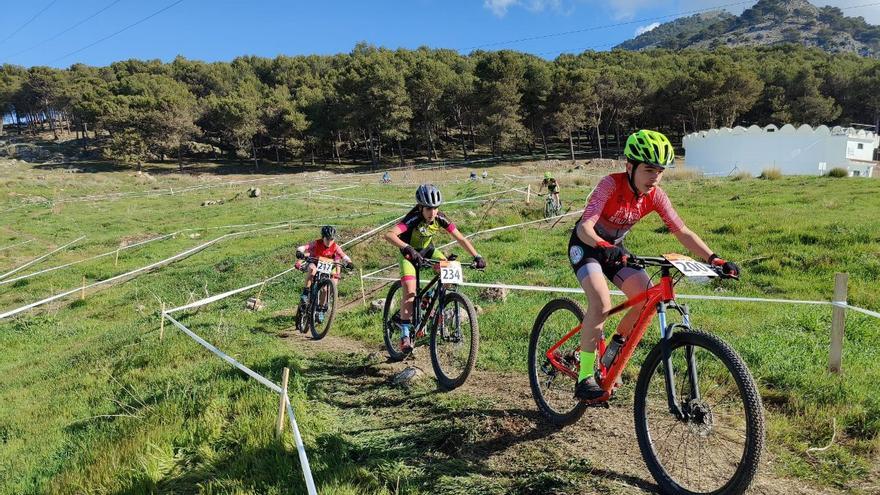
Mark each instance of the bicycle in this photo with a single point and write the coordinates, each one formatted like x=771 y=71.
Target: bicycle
x=452 y=328
x=714 y=406
x=314 y=315
x=552 y=207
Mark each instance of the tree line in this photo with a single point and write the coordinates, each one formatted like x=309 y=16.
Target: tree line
x=386 y=105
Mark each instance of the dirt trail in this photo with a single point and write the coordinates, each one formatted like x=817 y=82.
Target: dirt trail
x=515 y=439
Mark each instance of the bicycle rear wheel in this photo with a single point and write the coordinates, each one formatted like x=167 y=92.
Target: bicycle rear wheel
x=455 y=339
x=552 y=389
x=324 y=304
x=717 y=447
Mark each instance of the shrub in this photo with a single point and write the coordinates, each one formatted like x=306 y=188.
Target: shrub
x=770 y=174
x=741 y=176
x=838 y=172
x=682 y=173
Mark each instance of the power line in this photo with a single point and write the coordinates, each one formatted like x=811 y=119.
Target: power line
x=71 y=28
x=105 y=38
x=603 y=45
x=608 y=26
x=28 y=21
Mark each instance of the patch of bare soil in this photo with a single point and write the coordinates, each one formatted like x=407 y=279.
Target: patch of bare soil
x=512 y=439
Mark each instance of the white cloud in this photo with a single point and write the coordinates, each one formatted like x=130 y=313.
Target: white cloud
x=645 y=29
x=500 y=7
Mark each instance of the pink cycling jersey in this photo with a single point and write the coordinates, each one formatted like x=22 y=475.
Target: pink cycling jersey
x=615 y=208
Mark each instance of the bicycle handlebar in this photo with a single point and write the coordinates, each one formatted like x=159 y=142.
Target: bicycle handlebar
x=313 y=259
x=634 y=261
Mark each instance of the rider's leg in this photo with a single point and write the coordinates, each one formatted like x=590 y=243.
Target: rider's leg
x=310 y=275
x=632 y=282
x=408 y=286
x=598 y=303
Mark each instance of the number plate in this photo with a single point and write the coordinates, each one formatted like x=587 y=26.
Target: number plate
x=689 y=266
x=451 y=273
x=325 y=265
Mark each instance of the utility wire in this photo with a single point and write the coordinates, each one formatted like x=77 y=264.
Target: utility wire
x=603 y=45
x=639 y=21
x=608 y=26
x=71 y=28
x=28 y=21
x=105 y=38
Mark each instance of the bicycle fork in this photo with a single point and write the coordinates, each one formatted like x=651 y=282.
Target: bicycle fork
x=666 y=331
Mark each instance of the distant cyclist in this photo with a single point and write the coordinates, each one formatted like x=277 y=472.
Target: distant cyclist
x=552 y=186
x=386 y=178
x=414 y=236
x=596 y=249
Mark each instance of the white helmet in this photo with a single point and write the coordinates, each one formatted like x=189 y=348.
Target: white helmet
x=428 y=195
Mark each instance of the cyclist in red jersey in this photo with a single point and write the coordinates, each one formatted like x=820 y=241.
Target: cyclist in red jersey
x=325 y=247
x=596 y=249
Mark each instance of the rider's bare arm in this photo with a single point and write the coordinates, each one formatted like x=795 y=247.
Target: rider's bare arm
x=693 y=243
x=587 y=234
x=393 y=237
x=463 y=242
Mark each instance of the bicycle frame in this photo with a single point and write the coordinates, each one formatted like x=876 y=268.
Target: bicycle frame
x=656 y=299
x=418 y=323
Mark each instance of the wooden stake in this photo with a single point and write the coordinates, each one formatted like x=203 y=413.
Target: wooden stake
x=82 y=292
x=279 y=426
x=116 y=261
x=363 y=294
x=162 y=323
x=529 y=195
x=838 y=318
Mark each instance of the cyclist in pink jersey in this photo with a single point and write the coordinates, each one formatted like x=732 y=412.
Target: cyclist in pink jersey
x=596 y=249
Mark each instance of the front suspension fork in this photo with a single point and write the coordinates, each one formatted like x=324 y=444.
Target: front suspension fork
x=666 y=331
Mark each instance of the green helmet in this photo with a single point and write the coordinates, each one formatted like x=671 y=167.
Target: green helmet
x=649 y=147
x=548 y=175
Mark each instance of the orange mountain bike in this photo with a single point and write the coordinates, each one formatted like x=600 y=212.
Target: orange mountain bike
x=698 y=415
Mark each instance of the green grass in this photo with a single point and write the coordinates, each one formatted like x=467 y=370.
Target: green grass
x=91 y=400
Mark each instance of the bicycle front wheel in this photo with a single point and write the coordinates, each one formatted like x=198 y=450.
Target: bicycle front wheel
x=716 y=447
x=323 y=308
x=552 y=389
x=455 y=338
x=391 y=330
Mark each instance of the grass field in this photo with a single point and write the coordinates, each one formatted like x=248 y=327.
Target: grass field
x=92 y=401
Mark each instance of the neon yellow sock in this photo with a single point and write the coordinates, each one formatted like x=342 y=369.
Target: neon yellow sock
x=588 y=360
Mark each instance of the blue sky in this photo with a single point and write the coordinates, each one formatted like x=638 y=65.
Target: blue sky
x=38 y=32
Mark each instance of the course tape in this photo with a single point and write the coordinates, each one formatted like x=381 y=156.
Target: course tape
x=37 y=260
x=300 y=449
x=151 y=266
x=571 y=290
x=16 y=244
x=217 y=297
x=108 y=253
x=229 y=359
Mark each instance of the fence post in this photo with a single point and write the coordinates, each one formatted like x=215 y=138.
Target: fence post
x=838 y=318
x=363 y=293
x=162 y=323
x=279 y=425
x=529 y=195
x=82 y=292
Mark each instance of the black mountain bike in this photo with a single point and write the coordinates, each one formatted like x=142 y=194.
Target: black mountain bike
x=442 y=316
x=317 y=313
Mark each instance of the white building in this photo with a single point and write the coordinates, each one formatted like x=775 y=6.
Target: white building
x=801 y=151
